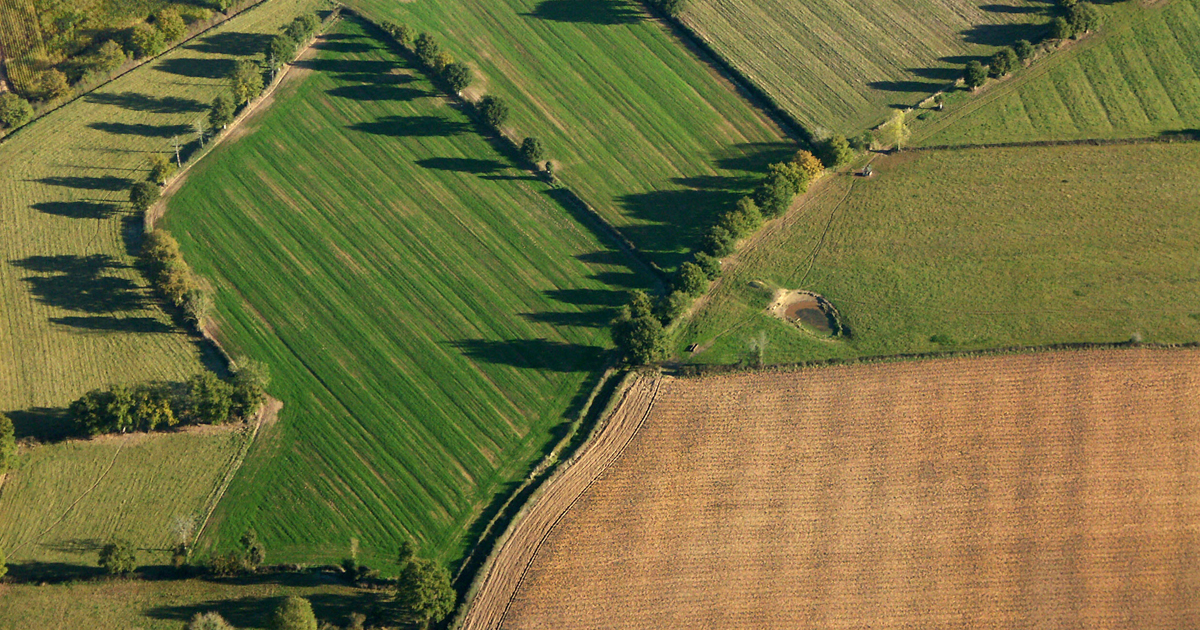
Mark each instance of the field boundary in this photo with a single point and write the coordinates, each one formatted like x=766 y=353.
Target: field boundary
x=1163 y=138
x=501 y=577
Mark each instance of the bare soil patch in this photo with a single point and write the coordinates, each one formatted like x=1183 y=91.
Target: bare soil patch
x=1037 y=490
x=806 y=309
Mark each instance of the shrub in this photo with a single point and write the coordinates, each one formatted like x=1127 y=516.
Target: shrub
x=442 y=60
x=1003 y=62
x=1023 y=48
x=250 y=381
x=493 y=110
x=221 y=112
x=457 y=75
x=118 y=557
x=427 y=49
x=691 y=279
x=53 y=84
x=8 y=444
x=161 y=168
x=168 y=22
x=246 y=81
x=221 y=5
x=3 y=564
x=709 y=264
x=14 y=110
x=1083 y=17
x=1060 y=28
x=209 y=400
x=294 y=613
x=143 y=195
x=145 y=41
x=835 y=151
x=226 y=564
x=253 y=551
x=974 y=75
x=402 y=33
x=208 y=621
x=532 y=151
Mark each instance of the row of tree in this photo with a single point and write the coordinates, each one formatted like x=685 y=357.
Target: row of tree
x=202 y=399
x=1077 y=17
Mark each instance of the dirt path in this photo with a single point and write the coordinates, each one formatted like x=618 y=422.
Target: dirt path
x=506 y=571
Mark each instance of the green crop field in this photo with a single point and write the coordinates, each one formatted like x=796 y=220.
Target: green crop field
x=1139 y=76
x=76 y=315
x=428 y=311
x=966 y=249
x=838 y=65
x=643 y=131
x=166 y=605
x=64 y=501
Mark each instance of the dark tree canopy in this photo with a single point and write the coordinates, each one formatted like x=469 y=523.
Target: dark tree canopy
x=8 y=444
x=1003 y=62
x=457 y=75
x=118 y=557
x=494 y=111
x=14 y=110
x=975 y=74
x=143 y=195
x=532 y=150
x=293 y=613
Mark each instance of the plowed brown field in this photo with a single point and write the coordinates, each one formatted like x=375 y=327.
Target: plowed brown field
x=1054 y=490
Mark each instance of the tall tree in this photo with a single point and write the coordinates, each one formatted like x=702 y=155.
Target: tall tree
x=118 y=557
x=974 y=75
x=246 y=81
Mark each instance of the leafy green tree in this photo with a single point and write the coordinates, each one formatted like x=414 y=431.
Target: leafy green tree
x=302 y=28
x=209 y=399
x=53 y=84
x=795 y=176
x=718 y=241
x=895 y=131
x=221 y=5
x=1003 y=62
x=3 y=563
x=457 y=75
x=118 y=557
x=145 y=41
x=1084 y=17
x=294 y=613
x=494 y=111
x=254 y=553
x=427 y=49
x=1060 y=28
x=119 y=408
x=208 y=621
x=532 y=150
x=691 y=279
x=974 y=75
x=250 y=382
x=161 y=168
x=641 y=339
x=197 y=304
x=143 y=195
x=424 y=590
x=1023 y=48
x=835 y=151
x=8 y=444
x=14 y=110
x=87 y=413
x=402 y=33
x=246 y=81
x=774 y=195
x=168 y=22
x=709 y=264
x=280 y=50
x=152 y=408
x=221 y=112
x=673 y=306
x=744 y=219
x=672 y=8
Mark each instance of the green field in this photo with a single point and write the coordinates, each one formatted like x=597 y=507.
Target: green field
x=838 y=65
x=64 y=501
x=428 y=311
x=1139 y=76
x=166 y=605
x=953 y=250
x=642 y=130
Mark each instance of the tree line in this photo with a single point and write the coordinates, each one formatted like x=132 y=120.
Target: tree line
x=1076 y=18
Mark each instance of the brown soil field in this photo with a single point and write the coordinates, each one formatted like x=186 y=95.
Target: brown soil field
x=1049 y=490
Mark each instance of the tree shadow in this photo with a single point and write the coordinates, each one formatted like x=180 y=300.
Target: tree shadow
x=534 y=354
x=1008 y=8
x=253 y=611
x=139 y=129
x=365 y=67
x=228 y=43
x=594 y=318
x=77 y=209
x=345 y=46
x=413 y=127
x=462 y=165
x=906 y=86
x=44 y=424
x=607 y=12
x=145 y=103
x=77 y=546
x=51 y=572
x=81 y=283
x=198 y=67
x=105 y=182
x=377 y=92
x=1003 y=34
x=109 y=324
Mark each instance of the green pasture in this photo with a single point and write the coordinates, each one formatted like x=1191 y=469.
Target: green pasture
x=839 y=66
x=971 y=249
x=429 y=312
x=1138 y=76
x=638 y=127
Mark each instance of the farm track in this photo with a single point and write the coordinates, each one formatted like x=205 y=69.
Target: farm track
x=507 y=570
x=1016 y=491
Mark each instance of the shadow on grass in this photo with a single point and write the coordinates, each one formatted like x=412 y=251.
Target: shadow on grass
x=81 y=283
x=588 y=11
x=139 y=129
x=43 y=424
x=254 y=611
x=413 y=127
x=104 y=182
x=198 y=67
x=229 y=43
x=534 y=354
x=77 y=209
x=1004 y=34
x=462 y=165
x=377 y=92
x=144 y=103
x=143 y=325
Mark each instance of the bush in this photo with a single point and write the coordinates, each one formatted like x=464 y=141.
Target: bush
x=493 y=110
x=1083 y=17
x=402 y=33
x=246 y=81
x=3 y=564
x=168 y=22
x=226 y=564
x=691 y=279
x=1060 y=28
x=209 y=400
x=145 y=41
x=52 y=84
x=253 y=551
x=208 y=621
x=221 y=112
x=442 y=60
x=709 y=264
x=250 y=381
x=457 y=75
x=118 y=558
x=974 y=75
x=1023 y=48
x=427 y=49
x=14 y=110
x=1003 y=62
x=161 y=168
x=143 y=195
x=532 y=151
x=294 y=613
x=8 y=444
x=835 y=151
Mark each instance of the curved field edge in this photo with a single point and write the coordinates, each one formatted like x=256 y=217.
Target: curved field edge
x=1050 y=482
x=971 y=249
x=500 y=578
x=432 y=316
